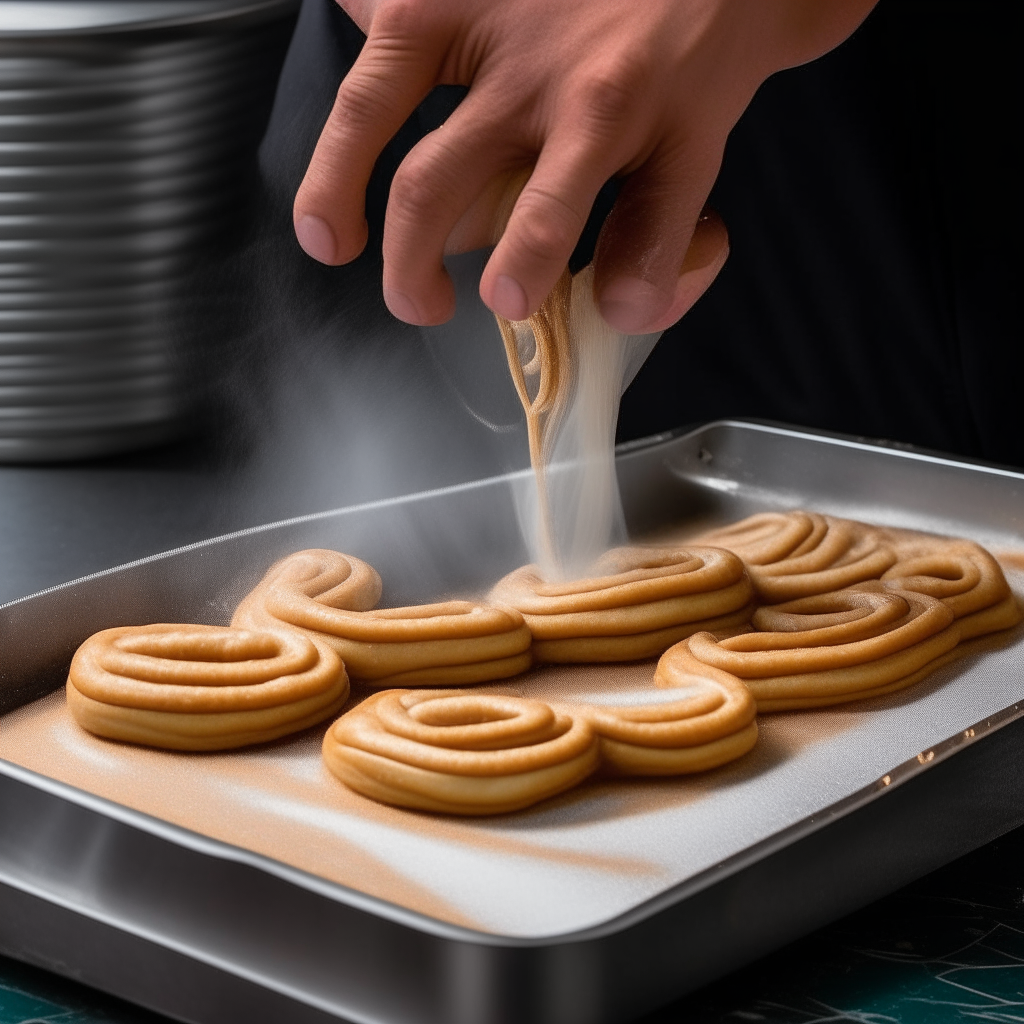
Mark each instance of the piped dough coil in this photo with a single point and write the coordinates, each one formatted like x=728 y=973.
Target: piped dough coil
x=860 y=642
x=202 y=687
x=799 y=554
x=331 y=595
x=709 y=724
x=639 y=603
x=459 y=753
x=963 y=576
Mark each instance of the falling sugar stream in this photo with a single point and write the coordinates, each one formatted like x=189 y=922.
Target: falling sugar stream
x=570 y=369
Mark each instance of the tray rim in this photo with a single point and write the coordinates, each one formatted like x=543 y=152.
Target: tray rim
x=197 y=842
x=901 y=449
x=627 y=448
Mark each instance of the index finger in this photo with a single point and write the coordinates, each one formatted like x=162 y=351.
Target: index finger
x=398 y=65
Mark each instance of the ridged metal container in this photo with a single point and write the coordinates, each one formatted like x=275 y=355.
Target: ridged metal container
x=128 y=133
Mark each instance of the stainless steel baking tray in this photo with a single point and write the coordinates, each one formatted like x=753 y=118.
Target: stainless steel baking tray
x=594 y=907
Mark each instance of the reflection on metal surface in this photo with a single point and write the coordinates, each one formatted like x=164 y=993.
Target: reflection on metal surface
x=124 y=159
x=946 y=950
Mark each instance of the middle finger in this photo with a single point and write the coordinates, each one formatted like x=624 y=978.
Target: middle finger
x=437 y=182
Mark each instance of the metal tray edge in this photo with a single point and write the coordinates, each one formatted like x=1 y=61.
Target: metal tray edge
x=890 y=780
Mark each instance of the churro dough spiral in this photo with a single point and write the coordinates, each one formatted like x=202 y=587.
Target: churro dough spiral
x=332 y=595
x=641 y=601
x=854 y=643
x=799 y=554
x=202 y=687
x=963 y=576
x=710 y=722
x=459 y=753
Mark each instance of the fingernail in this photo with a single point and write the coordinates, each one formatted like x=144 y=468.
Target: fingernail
x=317 y=239
x=629 y=304
x=508 y=299
x=402 y=307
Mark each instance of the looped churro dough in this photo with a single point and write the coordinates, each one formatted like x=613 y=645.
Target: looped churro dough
x=964 y=577
x=710 y=722
x=459 y=753
x=798 y=554
x=641 y=601
x=202 y=687
x=332 y=595
x=860 y=642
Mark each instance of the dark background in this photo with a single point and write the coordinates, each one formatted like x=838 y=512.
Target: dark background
x=873 y=202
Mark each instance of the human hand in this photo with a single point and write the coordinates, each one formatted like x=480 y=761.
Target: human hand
x=562 y=96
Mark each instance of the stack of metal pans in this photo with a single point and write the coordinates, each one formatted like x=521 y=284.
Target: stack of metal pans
x=128 y=132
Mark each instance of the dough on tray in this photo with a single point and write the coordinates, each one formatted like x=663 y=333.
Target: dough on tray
x=639 y=602
x=707 y=721
x=963 y=576
x=780 y=611
x=476 y=754
x=333 y=596
x=459 y=753
x=799 y=554
x=863 y=641
x=202 y=687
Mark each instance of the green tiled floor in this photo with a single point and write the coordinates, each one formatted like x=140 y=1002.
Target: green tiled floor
x=948 y=949
x=32 y=996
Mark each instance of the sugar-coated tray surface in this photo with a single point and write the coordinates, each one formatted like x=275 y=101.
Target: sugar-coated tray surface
x=573 y=862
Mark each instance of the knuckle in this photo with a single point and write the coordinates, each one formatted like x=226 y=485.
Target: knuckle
x=358 y=104
x=545 y=228
x=409 y=204
x=420 y=185
x=609 y=96
x=395 y=49
x=401 y=19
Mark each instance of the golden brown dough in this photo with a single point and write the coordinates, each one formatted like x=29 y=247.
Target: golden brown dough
x=202 y=687
x=859 y=642
x=459 y=753
x=963 y=576
x=799 y=554
x=640 y=602
x=711 y=723
x=332 y=595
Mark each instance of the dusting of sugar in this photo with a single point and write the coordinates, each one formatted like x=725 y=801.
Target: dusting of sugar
x=570 y=510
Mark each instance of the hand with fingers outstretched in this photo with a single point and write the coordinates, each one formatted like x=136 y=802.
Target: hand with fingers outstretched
x=563 y=95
